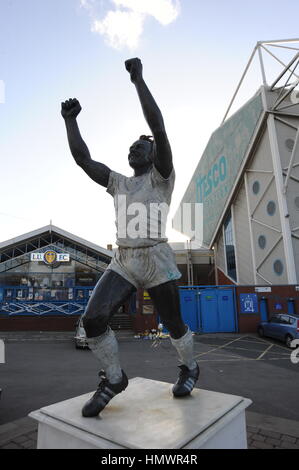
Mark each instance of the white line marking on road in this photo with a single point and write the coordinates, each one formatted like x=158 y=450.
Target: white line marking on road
x=234 y=357
x=240 y=359
x=258 y=358
x=274 y=344
x=219 y=347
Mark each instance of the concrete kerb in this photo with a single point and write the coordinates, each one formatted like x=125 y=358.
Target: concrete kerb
x=122 y=335
x=14 y=429
x=52 y=335
x=270 y=423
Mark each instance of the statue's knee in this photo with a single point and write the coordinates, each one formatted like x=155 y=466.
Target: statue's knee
x=87 y=324
x=176 y=329
x=95 y=324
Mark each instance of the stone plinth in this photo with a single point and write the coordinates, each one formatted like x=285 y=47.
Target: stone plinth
x=147 y=416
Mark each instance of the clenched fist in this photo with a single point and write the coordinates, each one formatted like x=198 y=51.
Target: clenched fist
x=70 y=108
x=134 y=67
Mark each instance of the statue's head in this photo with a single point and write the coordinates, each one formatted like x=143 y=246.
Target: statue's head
x=141 y=153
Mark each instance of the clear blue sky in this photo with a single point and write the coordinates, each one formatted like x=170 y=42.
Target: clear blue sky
x=193 y=52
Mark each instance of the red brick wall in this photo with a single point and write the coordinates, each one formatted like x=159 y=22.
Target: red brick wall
x=36 y=323
x=248 y=323
x=222 y=279
x=141 y=323
x=42 y=323
x=278 y=295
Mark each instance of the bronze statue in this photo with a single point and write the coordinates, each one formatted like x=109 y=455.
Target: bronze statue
x=145 y=261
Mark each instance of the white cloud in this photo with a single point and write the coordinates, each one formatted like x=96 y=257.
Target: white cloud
x=120 y=28
x=88 y=4
x=164 y=11
x=123 y=26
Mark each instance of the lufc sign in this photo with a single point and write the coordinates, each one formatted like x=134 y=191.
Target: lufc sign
x=50 y=257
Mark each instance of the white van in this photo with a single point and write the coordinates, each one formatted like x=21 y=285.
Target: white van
x=80 y=336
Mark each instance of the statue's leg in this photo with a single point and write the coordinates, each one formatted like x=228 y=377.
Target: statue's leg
x=111 y=291
x=167 y=303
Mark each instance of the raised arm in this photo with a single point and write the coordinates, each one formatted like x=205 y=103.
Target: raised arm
x=153 y=116
x=98 y=172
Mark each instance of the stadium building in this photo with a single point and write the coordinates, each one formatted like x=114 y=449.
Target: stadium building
x=247 y=182
x=47 y=277
x=244 y=203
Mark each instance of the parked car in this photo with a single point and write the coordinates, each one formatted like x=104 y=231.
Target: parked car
x=80 y=335
x=282 y=326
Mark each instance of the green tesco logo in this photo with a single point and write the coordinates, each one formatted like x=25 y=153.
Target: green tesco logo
x=209 y=182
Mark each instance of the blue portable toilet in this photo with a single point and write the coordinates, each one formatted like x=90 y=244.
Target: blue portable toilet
x=189 y=308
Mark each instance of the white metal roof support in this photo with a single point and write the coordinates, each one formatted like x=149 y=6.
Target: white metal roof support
x=287 y=93
x=286 y=68
x=262 y=65
x=265 y=189
x=232 y=208
x=287 y=84
x=216 y=262
x=278 y=60
x=259 y=45
x=287 y=124
x=291 y=162
x=282 y=41
x=240 y=82
x=188 y=264
x=191 y=263
x=283 y=47
x=282 y=202
x=250 y=227
x=224 y=249
x=266 y=280
x=269 y=252
x=265 y=225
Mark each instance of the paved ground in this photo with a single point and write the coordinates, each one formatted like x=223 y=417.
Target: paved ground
x=34 y=375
